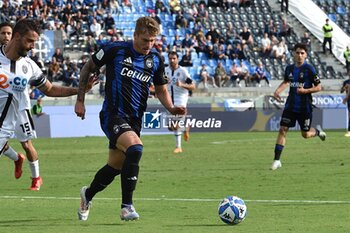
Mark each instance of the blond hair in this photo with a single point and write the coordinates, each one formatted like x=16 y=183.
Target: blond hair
x=147 y=25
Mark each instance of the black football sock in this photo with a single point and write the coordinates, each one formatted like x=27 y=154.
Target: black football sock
x=278 y=151
x=102 y=179
x=130 y=172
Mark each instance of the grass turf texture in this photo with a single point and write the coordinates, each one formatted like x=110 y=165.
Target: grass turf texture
x=181 y=193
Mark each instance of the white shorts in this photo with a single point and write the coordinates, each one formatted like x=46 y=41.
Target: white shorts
x=25 y=126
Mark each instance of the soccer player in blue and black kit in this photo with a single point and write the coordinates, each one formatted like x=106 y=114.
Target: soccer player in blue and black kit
x=130 y=69
x=346 y=88
x=303 y=81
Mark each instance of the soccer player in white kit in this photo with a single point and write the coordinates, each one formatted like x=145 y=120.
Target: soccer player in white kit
x=180 y=83
x=24 y=129
x=17 y=71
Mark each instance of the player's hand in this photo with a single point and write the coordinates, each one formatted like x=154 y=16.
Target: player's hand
x=345 y=100
x=277 y=97
x=178 y=110
x=80 y=109
x=93 y=80
x=178 y=83
x=301 y=91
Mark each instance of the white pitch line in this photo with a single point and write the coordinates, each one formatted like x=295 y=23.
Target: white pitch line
x=179 y=199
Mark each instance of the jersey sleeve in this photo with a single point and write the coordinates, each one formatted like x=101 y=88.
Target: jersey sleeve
x=104 y=54
x=314 y=76
x=287 y=73
x=159 y=75
x=38 y=79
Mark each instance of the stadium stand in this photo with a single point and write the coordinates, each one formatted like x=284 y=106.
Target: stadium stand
x=197 y=18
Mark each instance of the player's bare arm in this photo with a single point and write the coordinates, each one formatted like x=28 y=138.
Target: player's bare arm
x=279 y=89
x=314 y=89
x=85 y=72
x=188 y=86
x=164 y=97
x=60 y=91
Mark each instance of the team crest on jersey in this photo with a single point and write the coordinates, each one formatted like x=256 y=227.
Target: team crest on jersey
x=149 y=62
x=24 y=69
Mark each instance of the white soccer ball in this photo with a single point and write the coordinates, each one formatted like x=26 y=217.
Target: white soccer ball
x=232 y=210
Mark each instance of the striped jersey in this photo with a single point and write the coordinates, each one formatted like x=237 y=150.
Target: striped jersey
x=128 y=77
x=15 y=77
x=305 y=76
x=179 y=95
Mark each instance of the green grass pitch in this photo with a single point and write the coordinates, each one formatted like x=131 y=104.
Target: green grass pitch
x=181 y=193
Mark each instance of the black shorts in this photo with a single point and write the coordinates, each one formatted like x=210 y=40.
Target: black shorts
x=289 y=119
x=113 y=126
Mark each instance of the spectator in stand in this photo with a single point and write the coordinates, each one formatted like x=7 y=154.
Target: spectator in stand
x=278 y=51
x=90 y=44
x=34 y=56
x=109 y=22
x=209 y=52
x=101 y=41
x=306 y=40
x=245 y=75
x=180 y=21
x=187 y=42
x=201 y=43
x=205 y=76
x=175 y=6
x=260 y=74
x=77 y=30
x=228 y=4
x=58 y=55
x=220 y=75
x=95 y=28
x=213 y=33
x=127 y=3
x=285 y=28
x=177 y=43
x=186 y=59
x=246 y=37
x=114 y=6
x=238 y=53
x=165 y=43
x=203 y=14
x=265 y=45
x=235 y=74
x=55 y=71
x=160 y=7
x=221 y=52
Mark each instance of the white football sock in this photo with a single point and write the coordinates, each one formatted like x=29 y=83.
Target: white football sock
x=178 y=138
x=34 y=168
x=11 y=153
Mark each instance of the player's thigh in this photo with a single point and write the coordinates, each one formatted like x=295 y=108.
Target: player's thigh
x=288 y=119
x=121 y=132
x=25 y=129
x=305 y=120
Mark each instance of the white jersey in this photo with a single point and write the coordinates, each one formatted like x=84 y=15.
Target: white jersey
x=15 y=77
x=179 y=95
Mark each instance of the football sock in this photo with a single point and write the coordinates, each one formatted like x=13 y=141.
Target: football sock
x=278 y=151
x=317 y=132
x=34 y=168
x=349 y=126
x=178 y=138
x=102 y=179
x=11 y=153
x=130 y=172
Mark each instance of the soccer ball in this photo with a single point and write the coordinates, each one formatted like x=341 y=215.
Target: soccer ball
x=232 y=210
